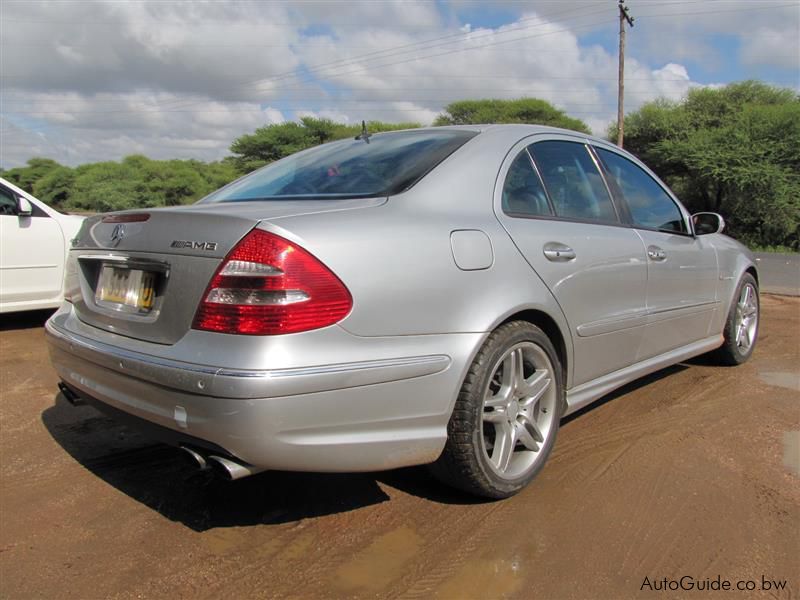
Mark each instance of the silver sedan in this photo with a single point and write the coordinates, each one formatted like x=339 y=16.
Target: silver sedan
x=438 y=296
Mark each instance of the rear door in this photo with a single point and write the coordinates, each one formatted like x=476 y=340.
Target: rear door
x=554 y=202
x=682 y=268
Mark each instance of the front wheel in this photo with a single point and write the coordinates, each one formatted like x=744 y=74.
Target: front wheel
x=506 y=417
x=741 y=326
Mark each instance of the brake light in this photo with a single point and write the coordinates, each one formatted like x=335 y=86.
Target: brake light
x=126 y=218
x=267 y=285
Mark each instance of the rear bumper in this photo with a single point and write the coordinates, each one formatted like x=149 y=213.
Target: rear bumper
x=360 y=415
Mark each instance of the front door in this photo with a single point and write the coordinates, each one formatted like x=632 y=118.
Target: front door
x=31 y=254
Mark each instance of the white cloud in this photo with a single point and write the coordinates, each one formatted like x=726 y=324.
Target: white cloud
x=773 y=47
x=74 y=128
x=96 y=81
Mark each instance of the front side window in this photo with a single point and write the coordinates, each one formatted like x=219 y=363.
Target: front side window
x=575 y=186
x=8 y=203
x=650 y=205
x=523 y=193
x=388 y=164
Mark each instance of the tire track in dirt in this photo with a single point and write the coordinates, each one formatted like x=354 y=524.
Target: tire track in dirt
x=681 y=475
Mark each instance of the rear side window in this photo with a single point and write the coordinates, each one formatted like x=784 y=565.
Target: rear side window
x=575 y=186
x=387 y=164
x=650 y=205
x=523 y=192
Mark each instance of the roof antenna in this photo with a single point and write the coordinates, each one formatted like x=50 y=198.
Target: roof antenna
x=364 y=135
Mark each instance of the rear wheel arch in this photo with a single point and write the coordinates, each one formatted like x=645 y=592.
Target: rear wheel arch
x=547 y=324
x=510 y=388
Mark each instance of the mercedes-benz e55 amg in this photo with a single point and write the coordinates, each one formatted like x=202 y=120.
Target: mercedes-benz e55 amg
x=438 y=296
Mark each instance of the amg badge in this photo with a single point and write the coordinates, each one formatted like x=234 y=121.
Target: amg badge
x=210 y=246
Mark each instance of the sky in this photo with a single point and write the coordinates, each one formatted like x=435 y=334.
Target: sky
x=90 y=80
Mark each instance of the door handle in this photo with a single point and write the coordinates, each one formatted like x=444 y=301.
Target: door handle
x=656 y=253
x=558 y=252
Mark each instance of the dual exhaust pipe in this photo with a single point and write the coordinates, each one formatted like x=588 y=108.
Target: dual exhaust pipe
x=225 y=467
x=70 y=395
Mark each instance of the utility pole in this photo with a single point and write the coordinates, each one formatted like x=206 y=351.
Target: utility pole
x=623 y=16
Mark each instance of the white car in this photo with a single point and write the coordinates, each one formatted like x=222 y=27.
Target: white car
x=34 y=241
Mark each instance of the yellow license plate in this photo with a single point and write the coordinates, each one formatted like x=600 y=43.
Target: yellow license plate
x=130 y=290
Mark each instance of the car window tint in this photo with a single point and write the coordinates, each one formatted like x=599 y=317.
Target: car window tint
x=384 y=165
x=8 y=204
x=523 y=193
x=649 y=204
x=573 y=182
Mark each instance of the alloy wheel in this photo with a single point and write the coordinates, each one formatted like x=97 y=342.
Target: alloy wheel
x=519 y=410
x=746 y=323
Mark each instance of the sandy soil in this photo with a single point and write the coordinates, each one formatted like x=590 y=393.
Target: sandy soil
x=691 y=472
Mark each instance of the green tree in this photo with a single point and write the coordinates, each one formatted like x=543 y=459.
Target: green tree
x=135 y=182
x=26 y=177
x=139 y=182
x=733 y=150
x=270 y=143
x=522 y=110
x=219 y=173
x=55 y=188
x=273 y=142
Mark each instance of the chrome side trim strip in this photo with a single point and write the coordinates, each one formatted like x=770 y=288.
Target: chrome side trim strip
x=588 y=392
x=635 y=319
x=208 y=380
x=684 y=307
x=638 y=318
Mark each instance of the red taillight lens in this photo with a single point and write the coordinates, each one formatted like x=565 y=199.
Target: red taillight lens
x=267 y=285
x=127 y=218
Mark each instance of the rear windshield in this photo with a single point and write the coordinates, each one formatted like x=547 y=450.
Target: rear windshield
x=389 y=164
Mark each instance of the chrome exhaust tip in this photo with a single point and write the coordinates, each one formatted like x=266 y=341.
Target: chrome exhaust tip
x=230 y=469
x=70 y=395
x=196 y=458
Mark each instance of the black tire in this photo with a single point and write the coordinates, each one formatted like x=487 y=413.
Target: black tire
x=465 y=462
x=733 y=352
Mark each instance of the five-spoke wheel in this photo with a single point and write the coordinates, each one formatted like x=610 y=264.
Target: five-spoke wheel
x=741 y=327
x=518 y=409
x=505 y=420
x=746 y=322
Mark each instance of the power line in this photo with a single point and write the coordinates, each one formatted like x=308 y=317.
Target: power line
x=457 y=50
x=180 y=103
x=329 y=75
x=425 y=45
x=399 y=51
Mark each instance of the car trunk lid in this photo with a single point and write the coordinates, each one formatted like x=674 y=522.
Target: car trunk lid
x=142 y=274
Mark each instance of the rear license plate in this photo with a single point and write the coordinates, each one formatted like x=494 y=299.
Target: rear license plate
x=129 y=290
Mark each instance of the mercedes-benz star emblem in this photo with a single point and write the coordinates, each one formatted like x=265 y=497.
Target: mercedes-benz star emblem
x=117 y=234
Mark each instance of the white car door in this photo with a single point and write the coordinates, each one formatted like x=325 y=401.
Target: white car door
x=31 y=255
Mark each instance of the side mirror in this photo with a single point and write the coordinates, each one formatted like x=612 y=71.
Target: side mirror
x=24 y=208
x=707 y=222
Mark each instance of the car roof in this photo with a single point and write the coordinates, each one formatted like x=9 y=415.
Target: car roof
x=521 y=129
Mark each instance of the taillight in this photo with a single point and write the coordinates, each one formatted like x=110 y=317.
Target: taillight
x=267 y=285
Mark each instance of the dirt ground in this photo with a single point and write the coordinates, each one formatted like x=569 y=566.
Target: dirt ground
x=691 y=472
